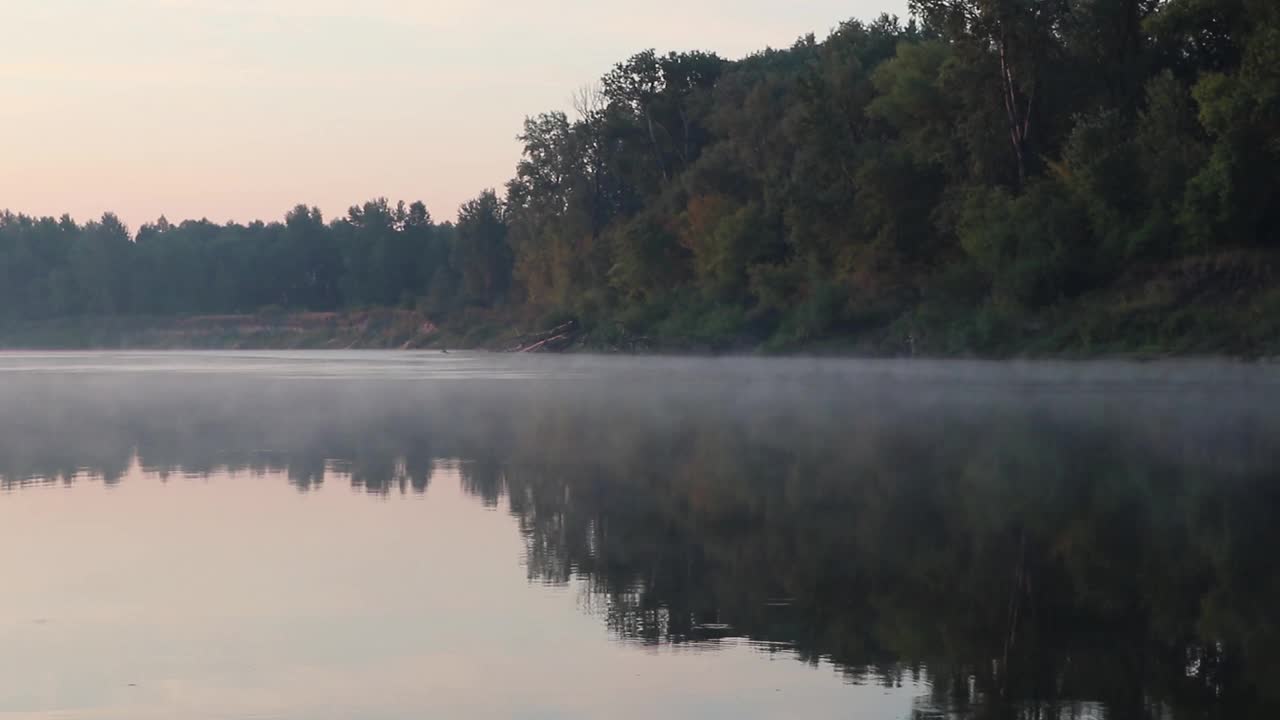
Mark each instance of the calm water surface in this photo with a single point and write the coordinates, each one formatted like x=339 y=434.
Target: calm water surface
x=416 y=535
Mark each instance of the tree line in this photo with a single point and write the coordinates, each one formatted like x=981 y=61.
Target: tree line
x=982 y=165
x=378 y=254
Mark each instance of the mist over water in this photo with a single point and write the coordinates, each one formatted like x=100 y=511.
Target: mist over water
x=395 y=535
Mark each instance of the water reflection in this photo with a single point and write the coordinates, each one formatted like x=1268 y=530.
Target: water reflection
x=1026 y=548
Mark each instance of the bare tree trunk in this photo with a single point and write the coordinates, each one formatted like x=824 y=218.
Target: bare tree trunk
x=653 y=140
x=1019 y=117
x=590 y=103
x=684 y=120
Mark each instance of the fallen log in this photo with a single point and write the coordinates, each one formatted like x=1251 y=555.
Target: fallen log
x=539 y=345
x=538 y=340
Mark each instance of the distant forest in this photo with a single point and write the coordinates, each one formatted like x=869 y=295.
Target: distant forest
x=986 y=175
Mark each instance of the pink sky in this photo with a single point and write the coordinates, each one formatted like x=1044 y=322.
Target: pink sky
x=240 y=109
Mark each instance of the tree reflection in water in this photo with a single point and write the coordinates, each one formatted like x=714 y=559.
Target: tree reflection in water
x=1034 y=549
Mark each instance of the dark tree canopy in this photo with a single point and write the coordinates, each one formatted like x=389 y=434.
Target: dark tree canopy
x=984 y=171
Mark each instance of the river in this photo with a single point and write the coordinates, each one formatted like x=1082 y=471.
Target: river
x=383 y=535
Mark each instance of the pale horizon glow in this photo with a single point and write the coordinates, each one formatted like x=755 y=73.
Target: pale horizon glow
x=237 y=110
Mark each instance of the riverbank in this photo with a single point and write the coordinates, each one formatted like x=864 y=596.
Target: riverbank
x=1222 y=306
x=381 y=328
x=1187 y=333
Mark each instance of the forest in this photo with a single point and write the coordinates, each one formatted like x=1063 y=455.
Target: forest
x=985 y=177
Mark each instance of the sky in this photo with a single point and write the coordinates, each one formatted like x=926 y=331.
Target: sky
x=241 y=109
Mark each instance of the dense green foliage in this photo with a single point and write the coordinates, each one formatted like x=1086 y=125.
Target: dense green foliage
x=376 y=255
x=989 y=169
